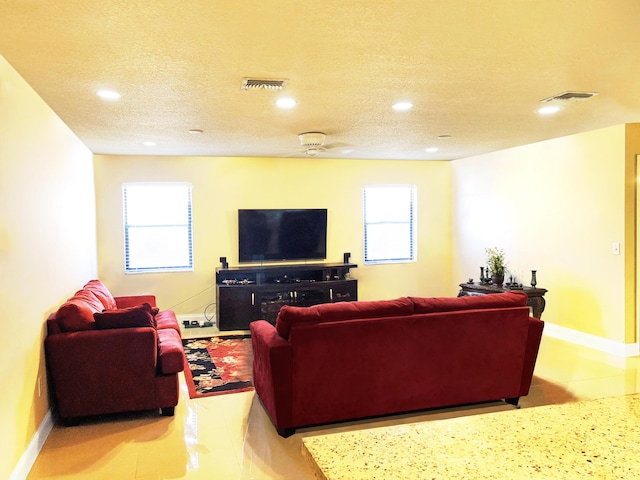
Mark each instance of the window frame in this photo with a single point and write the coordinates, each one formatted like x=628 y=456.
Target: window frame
x=130 y=257
x=411 y=223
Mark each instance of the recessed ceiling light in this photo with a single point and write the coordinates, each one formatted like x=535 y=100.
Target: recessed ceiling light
x=286 y=103
x=195 y=131
x=431 y=149
x=149 y=144
x=402 y=106
x=108 y=95
x=549 y=110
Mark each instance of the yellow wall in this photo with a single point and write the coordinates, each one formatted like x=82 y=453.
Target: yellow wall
x=632 y=150
x=223 y=185
x=556 y=206
x=47 y=248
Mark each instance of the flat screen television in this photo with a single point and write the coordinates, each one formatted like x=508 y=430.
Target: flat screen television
x=282 y=234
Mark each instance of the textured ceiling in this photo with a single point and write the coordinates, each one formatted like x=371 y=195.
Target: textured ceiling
x=474 y=69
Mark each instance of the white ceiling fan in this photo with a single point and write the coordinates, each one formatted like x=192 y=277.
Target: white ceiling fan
x=312 y=143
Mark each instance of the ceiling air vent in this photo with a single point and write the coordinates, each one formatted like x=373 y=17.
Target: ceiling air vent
x=571 y=97
x=262 y=84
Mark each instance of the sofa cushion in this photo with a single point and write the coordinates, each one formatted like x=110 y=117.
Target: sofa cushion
x=124 y=301
x=167 y=319
x=102 y=293
x=329 y=312
x=470 y=302
x=75 y=315
x=140 y=316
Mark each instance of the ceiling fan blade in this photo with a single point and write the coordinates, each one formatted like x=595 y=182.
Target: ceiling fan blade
x=337 y=145
x=292 y=153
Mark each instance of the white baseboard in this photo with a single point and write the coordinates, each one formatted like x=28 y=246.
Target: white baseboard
x=28 y=457
x=592 y=341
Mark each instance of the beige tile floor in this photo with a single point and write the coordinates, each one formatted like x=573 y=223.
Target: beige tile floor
x=231 y=437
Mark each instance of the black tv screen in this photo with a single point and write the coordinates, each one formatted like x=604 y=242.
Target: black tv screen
x=278 y=234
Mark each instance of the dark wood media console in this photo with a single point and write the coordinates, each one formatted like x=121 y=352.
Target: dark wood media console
x=245 y=294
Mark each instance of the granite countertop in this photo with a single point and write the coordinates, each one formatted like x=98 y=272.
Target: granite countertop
x=597 y=439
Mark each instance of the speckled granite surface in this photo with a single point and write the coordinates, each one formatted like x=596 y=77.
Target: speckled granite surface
x=597 y=439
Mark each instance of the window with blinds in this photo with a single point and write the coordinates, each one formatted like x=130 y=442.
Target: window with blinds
x=389 y=223
x=157 y=227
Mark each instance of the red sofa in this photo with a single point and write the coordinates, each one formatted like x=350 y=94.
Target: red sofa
x=107 y=355
x=349 y=360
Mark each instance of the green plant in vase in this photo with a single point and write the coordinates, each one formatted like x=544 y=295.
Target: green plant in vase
x=497 y=264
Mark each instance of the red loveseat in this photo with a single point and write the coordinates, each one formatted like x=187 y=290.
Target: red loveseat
x=107 y=355
x=342 y=361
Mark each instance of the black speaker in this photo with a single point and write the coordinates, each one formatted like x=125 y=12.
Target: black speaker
x=346 y=257
x=223 y=261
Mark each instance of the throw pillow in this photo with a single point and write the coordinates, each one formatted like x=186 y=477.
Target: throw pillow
x=89 y=298
x=100 y=290
x=75 y=316
x=140 y=316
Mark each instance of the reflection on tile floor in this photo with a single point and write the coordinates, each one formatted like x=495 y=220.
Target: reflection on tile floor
x=231 y=437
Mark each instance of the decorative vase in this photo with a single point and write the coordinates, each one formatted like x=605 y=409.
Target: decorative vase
x=497 y=279
x=534 y=281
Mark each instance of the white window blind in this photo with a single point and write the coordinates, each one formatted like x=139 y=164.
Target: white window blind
x=389 y=223
x=157 y=227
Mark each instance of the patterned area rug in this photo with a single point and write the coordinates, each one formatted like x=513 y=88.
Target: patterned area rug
x=218 y=365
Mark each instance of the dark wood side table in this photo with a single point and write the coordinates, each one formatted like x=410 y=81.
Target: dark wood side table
x=535 y=295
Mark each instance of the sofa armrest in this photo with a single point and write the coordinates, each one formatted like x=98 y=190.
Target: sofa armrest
x=531 y=353
x=273 y=372
x=170 y=351
x=87 y=365
x=126 y=301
